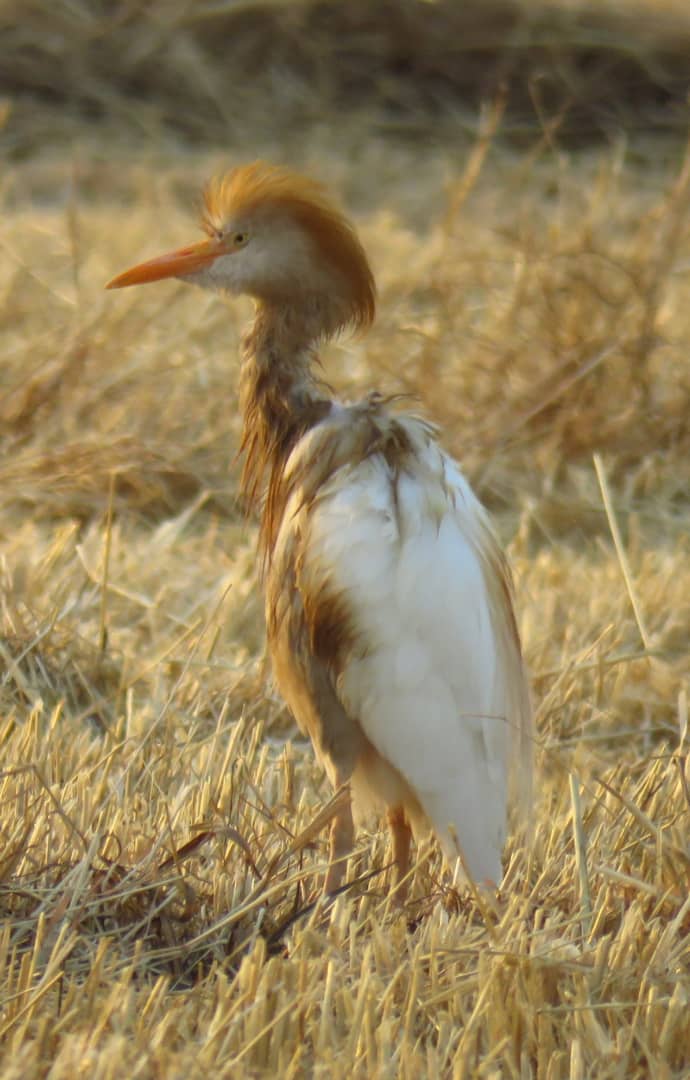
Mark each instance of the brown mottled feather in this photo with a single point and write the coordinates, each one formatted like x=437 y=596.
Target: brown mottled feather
x=296 y=623
x=310 y=628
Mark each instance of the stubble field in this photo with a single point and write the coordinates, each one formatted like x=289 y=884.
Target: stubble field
x=160 y=840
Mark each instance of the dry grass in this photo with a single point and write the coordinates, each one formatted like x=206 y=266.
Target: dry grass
x=160 y=847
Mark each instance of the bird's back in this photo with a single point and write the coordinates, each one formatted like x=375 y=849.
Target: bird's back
x=390 y=578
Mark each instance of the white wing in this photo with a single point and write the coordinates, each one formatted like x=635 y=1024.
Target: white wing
x=436 y=679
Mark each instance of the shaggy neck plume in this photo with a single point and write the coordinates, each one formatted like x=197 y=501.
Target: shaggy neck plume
x=280 y=400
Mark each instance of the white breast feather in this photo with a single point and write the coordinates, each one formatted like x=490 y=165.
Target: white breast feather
x=429 y=685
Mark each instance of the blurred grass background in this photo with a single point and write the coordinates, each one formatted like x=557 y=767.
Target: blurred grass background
x=205 y=69
x=519 y=173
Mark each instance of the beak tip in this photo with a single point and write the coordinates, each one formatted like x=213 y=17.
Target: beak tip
x=116 y=282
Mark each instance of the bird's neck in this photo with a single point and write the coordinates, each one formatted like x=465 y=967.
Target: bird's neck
x=280 y=397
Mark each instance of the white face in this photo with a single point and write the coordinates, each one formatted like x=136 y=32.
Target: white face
x=270 y=258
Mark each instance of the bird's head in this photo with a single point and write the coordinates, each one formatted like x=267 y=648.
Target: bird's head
x=276 y=236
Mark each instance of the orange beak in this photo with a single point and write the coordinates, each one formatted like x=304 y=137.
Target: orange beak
x=174 y=264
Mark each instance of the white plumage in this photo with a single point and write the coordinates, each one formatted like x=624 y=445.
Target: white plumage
x=388 y=601
x=429 y=685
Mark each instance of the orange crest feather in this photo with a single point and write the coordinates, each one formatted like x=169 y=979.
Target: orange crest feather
x=259 y=186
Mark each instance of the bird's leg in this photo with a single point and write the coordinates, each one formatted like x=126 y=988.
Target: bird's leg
x=401 y=835
x=341 y=841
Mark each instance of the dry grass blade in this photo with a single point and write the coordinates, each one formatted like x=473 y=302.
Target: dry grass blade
x=620 y=551
x=580 y=840
x=103 y=630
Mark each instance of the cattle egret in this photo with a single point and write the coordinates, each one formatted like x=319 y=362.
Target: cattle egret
x=388 y=600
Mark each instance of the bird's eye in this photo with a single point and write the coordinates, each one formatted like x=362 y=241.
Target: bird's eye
x=239 y=239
